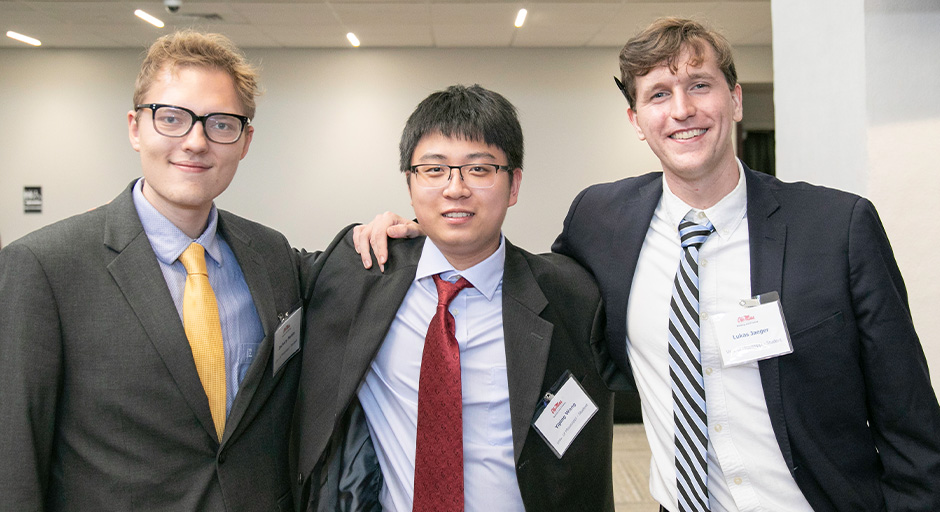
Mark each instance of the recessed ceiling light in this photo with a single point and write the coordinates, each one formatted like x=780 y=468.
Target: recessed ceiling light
x=148 y=18
x=520 y=18
x=353 y=40
x=25 y=39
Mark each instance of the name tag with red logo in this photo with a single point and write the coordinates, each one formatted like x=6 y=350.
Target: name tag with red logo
x=564 y=411
x=754 y=331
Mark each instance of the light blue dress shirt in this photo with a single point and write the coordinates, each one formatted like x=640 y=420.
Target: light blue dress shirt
x=241 y=326
x=389 y=393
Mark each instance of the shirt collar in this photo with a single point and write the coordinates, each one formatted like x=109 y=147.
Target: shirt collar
x=726 y=215
x=167 y=240
x=484 y=276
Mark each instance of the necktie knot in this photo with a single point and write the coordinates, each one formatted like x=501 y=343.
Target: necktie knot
x=194 y=259
x=694 y=235
x=446 y=290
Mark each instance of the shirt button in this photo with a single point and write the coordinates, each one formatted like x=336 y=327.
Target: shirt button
x=708 y=371
x=704 y=315
x=455 y=311
x=718 y=428
x=703 y=262
x=737 y=480
x=700 y=215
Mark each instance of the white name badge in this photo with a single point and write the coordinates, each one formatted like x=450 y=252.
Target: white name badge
x=754 y=331
x=563 y=414
x=287 y=339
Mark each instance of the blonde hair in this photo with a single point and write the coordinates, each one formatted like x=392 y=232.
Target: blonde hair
x=191 y=48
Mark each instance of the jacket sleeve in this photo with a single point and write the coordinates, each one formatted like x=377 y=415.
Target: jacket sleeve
x=30 y=377
x=903 y=410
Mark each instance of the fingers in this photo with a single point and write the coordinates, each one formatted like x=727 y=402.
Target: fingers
x=375 y=235
x=361 y=235
x=406 y=230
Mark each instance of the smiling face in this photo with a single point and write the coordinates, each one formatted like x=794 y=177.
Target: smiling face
x=687 y=118
x=183 y=175
x=464 y=223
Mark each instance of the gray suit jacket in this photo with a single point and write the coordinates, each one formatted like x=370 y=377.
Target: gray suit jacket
x=101 y=407
x=553 y=321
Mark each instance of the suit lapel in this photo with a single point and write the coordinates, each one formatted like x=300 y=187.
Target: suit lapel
x=636 y=213
x=767 y=239
x=137 y=273
x=256 y=276
x=527 y=341
x=382 y=300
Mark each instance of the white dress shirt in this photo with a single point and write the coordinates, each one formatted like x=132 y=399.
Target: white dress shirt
x=746 y=470
x=389 y=393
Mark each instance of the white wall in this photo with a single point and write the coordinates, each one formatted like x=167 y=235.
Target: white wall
x=903 y=83
x=857 y=108
x=325 y=151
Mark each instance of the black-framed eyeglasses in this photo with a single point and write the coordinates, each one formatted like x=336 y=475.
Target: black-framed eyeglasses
x=173 y=121
x=473 y=175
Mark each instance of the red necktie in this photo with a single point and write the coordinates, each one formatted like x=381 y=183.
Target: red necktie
x=439 y=453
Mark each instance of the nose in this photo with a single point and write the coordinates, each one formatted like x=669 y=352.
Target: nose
x=195 y=141
x=456 y=188
x=683 y=106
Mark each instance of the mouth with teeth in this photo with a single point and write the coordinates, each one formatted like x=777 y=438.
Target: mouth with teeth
x=457 y=215
x=687 y=134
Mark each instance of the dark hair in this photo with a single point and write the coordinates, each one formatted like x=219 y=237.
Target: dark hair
x=662 y=42
x=471 y=113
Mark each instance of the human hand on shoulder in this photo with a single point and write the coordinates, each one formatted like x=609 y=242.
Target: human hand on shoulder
x=375 y=234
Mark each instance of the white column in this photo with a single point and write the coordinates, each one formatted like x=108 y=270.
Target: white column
x=857 y=101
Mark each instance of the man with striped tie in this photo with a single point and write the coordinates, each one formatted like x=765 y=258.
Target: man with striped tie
x=848 y=419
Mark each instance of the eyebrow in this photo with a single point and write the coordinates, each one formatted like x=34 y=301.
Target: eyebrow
x=470 y=157
x=698 y=75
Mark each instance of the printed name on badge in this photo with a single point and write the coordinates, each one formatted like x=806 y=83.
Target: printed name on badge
x=286 y=340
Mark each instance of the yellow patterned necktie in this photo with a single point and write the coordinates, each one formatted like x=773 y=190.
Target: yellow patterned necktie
x=202 y=326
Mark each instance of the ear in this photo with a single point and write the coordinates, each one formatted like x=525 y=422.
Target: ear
x=736 y=100
x=411 y=201
x=636 y=123
x=133 y=130
x=514 y=186
x=249 y=132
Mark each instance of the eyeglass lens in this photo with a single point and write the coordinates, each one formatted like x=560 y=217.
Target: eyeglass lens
x=175 y=122
x=473 y=175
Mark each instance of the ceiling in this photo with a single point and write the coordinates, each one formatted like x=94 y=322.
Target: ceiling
x=377 y=23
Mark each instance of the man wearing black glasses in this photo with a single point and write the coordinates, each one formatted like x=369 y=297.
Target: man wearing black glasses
x=138 y=365
x=463 y=377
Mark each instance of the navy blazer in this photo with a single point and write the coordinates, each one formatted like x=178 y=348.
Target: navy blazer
x=852 y=407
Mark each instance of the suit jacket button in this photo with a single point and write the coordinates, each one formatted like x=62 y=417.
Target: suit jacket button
x=222 y=458
x=300 y=478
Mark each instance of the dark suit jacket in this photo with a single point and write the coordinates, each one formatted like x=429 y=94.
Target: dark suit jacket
x=852 y=407
x=101 y=407
x=552 y=322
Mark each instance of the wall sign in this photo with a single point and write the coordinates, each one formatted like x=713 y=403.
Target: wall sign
x=32 y=199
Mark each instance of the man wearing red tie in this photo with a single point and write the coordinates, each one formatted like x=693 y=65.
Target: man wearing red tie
x=425 y=387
